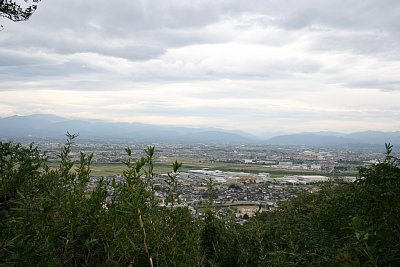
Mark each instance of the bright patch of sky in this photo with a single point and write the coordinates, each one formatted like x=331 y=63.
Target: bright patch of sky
x=259 y=66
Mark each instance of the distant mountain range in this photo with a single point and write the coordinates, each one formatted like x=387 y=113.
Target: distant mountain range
x=53 y=127
x=367 y=137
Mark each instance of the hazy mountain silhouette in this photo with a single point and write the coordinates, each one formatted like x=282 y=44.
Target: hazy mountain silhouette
x=50 y=126
x=326 y=138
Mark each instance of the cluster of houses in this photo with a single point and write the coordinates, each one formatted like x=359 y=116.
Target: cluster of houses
x=240 y=192
x=235 y=194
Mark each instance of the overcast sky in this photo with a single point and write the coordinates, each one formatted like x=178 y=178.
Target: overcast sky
x=256 y=65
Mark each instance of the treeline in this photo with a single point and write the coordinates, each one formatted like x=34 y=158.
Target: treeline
x=49 y=218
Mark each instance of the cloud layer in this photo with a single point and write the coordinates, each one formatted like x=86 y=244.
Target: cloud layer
x=255 y=65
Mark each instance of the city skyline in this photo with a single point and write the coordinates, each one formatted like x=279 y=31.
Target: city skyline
x=256 y=66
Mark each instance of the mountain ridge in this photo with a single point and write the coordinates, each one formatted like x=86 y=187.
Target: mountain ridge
x=51 y=126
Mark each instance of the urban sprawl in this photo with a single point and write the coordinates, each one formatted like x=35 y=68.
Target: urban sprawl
x=246 y=178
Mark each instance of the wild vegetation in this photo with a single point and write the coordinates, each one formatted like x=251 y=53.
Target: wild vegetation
x=48 y=217
x=16 y=12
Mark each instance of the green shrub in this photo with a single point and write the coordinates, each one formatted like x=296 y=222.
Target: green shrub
x=50 y=218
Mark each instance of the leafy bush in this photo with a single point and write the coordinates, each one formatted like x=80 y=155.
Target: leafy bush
x=50 y=218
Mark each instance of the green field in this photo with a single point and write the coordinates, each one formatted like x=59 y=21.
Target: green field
x=109 y=169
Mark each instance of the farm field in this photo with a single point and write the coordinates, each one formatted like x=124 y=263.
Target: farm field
x=109 y=169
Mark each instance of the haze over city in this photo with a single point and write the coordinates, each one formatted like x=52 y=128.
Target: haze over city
x=257 y=66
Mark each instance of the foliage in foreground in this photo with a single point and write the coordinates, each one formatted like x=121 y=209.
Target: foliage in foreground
x=12 y=10
x=49 y=218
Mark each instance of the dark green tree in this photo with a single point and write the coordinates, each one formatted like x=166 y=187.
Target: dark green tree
x=16 y=12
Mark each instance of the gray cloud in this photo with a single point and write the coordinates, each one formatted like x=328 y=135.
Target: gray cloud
x=371 y=15
x=13 y=58
x=240 y=62
x=376 y=84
